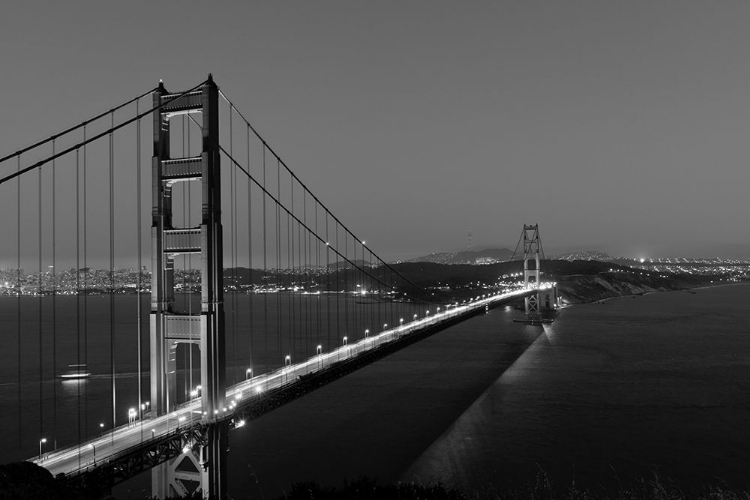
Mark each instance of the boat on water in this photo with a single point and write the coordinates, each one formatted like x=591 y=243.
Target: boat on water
x=75 y=371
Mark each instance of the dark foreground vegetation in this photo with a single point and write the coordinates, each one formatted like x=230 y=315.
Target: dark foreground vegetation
x=27 y=481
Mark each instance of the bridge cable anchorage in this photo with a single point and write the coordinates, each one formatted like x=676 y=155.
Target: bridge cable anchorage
x=40 y=163
x=304 y=186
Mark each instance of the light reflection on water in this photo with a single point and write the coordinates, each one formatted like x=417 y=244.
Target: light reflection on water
x=610 y=393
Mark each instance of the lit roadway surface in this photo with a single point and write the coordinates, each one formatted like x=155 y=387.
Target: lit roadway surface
x=97 y=451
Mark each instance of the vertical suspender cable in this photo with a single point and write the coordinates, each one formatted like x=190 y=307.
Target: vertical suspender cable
x=190 y=267
x=78 y=297
x=346 y=284
x=299 y=264
x=232 y=238
x=278 y=256
x=328 y=284
x=112 y=272
x=305 y=270
x=290 y=252
x=265 y=259
x=85 y=287
x=39 y=291
x=54 y=306
x=317 y=280
x=290 y=267
x=338 y=306
x=18 y=301
x=250 y=253
x=185 y=208
x=140 y=261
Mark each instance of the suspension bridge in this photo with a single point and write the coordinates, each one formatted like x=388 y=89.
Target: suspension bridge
x=255 y=293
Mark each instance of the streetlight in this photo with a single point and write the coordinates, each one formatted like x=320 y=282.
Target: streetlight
x=319 y=351
x=93 y=448
x=287 y=362
x=415 y=317
x=41 y=441
x=131 y=416
x=248 y=373
x=153 y=433
x=101 y=429
x=367 y=333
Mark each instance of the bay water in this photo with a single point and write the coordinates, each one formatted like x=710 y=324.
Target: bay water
x=607 y=393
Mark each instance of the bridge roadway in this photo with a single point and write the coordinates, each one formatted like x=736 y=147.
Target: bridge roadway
x=124 y=439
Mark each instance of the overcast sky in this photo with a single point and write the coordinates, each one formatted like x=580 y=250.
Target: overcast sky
x=617 y=126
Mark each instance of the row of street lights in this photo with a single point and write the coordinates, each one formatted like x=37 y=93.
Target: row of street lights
x=133 y=414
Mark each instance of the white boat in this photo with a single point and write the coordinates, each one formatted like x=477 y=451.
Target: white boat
x=76 y=371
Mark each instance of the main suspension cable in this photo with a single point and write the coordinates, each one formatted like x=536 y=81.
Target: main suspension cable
x=294 y=176
x=105 y=133
x=75 y=127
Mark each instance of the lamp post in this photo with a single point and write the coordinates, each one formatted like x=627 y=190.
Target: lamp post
x=287 y=363
x=319 y=351
x=248 y=373
x=93 y=448
x=101 y=429
x=41 y=442
x=415 y=317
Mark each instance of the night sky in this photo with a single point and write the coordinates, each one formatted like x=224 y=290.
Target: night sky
x=617 y=126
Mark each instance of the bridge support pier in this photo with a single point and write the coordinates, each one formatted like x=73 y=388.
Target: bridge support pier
x=169 y=327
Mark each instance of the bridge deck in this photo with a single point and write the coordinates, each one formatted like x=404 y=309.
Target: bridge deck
x=87 y=457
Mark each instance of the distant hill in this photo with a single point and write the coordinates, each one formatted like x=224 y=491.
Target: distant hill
x=486 y=256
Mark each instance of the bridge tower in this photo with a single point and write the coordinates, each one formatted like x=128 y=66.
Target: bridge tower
x=170 y=327
x=531 y=276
